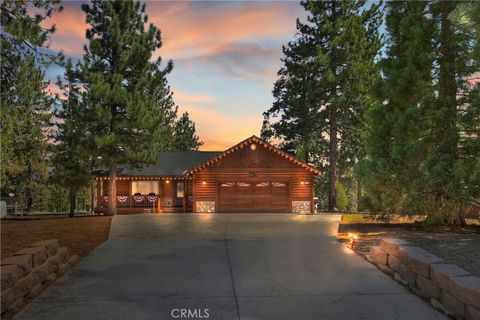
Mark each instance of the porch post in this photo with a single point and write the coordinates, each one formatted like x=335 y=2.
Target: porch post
x=160 y=195
x=92 y=196
x=130 y=189
x=194 y=200
x=312 y=190
x=184 y=202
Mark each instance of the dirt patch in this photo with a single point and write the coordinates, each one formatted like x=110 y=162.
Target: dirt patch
x=81 y=234
x=457 y=245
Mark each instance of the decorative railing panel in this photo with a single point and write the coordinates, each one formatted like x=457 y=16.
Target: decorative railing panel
x=147 y=201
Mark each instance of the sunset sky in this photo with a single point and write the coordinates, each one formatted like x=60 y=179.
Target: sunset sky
x=226 y=55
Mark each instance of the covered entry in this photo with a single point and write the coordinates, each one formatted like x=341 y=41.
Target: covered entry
x=253 y=196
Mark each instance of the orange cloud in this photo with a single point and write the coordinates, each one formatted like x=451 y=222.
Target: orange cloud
x=241 y=40
x=220 y=130
x=189 y=32
x=185 y=97
x=52 y=89
x=69 y=36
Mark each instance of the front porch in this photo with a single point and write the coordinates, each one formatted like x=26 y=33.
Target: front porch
x=146 y=195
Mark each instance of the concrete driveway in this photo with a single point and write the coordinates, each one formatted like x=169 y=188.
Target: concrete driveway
x=226 y=266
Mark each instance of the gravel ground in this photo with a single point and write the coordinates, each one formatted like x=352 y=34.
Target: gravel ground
x=460 y=246
x=81 y=235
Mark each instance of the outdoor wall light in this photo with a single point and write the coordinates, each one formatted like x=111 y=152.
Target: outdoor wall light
x=304 y=182
x=204 y=182
x=168 y=181
x=253 y=146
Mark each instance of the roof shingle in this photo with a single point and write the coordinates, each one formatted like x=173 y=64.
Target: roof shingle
x=169 y=163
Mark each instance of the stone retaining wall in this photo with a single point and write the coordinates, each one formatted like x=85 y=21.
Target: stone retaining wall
x=30 y=271
x=447 y=287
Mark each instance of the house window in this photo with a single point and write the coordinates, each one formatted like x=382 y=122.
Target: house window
x=180 y=189
x=144 y=187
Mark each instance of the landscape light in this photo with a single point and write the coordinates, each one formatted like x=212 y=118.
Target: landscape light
x=353 y=237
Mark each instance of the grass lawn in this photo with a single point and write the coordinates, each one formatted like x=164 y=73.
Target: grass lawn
x=81 y=234
x=457 y=245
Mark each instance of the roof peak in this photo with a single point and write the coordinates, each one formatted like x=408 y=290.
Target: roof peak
x=262 y=142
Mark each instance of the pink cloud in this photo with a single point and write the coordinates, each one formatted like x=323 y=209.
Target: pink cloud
x=69 y=36
x=187 y=32
x=231 y=37
x=185 y=97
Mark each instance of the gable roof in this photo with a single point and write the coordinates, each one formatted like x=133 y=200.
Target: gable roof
x=169 y=163
x=257 y=140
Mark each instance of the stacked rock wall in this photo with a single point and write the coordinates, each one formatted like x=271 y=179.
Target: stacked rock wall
x=448 y=287
x=30 y=271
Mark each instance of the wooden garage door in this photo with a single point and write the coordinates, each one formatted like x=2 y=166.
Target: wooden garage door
x=253 y=196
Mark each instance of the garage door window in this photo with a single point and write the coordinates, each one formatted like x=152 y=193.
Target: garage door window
x=262 y=184
x=228 y=184
x=279 y=184
x=243 y=184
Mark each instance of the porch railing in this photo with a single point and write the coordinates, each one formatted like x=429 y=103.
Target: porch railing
x=131 y=201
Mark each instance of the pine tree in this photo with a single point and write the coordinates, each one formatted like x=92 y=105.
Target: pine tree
x=422 y=137
x=324 y=84
x=116 y=72
x=184 y=137
x=25 y=112
x=72 y=164
x=181 y=132
x=393 y=125
x=450 y=170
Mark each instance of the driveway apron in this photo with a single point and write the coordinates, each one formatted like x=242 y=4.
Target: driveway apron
x=225 y=266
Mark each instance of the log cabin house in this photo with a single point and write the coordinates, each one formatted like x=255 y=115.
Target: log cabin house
x=252 y=176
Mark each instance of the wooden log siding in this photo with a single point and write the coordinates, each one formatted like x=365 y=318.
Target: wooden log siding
x=255 y=166
x=255 y=175
x=123 y=187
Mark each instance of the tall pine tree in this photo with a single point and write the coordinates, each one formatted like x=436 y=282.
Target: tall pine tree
x=117 y=75
x=393 y=125
x=25 y=105
x=72 y=163
x=324 y=85
x=422 y=137
x=451 y=171
x=184 y=136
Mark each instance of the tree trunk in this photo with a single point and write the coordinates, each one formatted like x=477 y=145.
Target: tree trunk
x=359 y=194
x=112 y=190
x=28 y=195
x=332 y=168
x=72 y=197
x=447 y=97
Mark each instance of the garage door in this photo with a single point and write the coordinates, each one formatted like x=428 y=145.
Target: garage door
x=250 y=196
